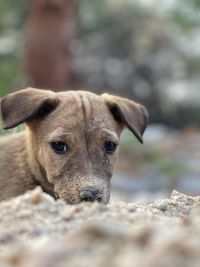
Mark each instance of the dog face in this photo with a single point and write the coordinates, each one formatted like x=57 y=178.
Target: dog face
x=73 y=137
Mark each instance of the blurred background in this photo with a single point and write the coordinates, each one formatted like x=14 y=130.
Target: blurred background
x=146 y=50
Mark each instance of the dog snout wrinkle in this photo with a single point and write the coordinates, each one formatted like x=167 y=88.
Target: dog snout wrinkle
x=90 y=194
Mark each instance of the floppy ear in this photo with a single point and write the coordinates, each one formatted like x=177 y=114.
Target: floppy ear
x=26 y=104
x=133 y=115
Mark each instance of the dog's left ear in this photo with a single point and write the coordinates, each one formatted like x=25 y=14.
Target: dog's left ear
x=25 y=105
x=133 y=115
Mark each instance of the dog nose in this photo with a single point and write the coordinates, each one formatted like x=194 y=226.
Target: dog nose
x=90 y=194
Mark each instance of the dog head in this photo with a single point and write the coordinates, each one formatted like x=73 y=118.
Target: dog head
x=73 y=137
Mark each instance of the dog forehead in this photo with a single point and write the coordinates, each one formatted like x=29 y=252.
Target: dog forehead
x=80 y=110
x=83 y=104
x=80 y=99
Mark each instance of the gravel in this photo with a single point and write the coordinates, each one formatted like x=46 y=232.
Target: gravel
x=37 y=231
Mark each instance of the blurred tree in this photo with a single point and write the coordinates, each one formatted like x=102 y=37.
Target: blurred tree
x=50 y=31
x=141 y=49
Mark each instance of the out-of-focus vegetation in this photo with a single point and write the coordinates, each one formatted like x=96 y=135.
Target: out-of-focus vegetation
x=12 y=19
x=143 y=49
x=147 y=50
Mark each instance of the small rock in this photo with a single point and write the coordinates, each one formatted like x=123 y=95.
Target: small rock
x=36 y=196
x=163 y=205
x=131 y=207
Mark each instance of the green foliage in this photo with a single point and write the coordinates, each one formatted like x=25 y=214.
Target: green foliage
x=165 y=164
x=12 y=18
x=9 y=71
x=89 y=19
x=129 y=141
x=186 y=13
x=12 y=14
x=17 y=129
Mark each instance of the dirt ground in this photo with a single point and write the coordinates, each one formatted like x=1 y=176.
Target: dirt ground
x=37 y=231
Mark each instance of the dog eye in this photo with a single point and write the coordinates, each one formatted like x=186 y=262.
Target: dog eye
x=109 y=147
x=59 y=147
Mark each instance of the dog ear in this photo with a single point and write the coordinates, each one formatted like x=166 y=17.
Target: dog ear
x=25 y=105
x=133 y=115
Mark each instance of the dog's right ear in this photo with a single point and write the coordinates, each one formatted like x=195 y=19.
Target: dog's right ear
x=25 y=105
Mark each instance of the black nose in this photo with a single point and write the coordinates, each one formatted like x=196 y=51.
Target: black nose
x=90 y=194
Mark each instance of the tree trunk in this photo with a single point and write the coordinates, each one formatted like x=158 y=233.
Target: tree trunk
x=50 y=31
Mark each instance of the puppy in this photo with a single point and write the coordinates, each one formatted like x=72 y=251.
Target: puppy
x=70 y=144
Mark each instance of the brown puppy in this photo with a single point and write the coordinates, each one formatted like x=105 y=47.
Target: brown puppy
x=70 y=144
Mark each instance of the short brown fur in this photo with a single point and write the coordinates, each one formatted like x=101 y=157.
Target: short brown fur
x=84 y=122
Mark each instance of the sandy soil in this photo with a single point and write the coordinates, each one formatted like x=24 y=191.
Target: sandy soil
x=36 y=231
